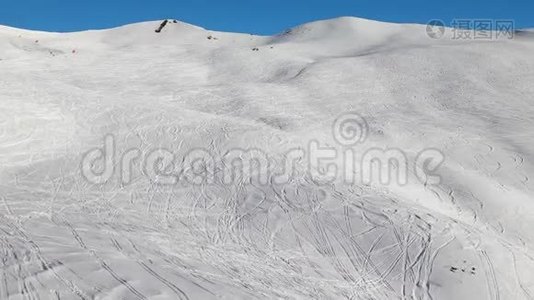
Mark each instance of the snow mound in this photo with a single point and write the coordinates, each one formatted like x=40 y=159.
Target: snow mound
x=144 y=33
x=340 y=28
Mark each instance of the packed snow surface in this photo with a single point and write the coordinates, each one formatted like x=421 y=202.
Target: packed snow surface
x=469 y=235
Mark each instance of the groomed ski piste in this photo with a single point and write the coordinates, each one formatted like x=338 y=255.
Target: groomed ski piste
x=93 y=207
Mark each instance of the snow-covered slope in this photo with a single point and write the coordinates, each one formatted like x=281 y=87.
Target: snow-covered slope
x=62 y=236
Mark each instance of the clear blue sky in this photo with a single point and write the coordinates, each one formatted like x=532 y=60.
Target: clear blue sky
x=251 y=16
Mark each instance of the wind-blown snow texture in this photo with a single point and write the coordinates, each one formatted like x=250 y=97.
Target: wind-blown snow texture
x=62 y=237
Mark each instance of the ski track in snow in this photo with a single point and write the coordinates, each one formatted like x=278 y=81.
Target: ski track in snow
x=62 y=237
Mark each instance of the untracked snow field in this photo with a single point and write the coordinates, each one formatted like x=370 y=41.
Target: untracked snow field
x=118 y=149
